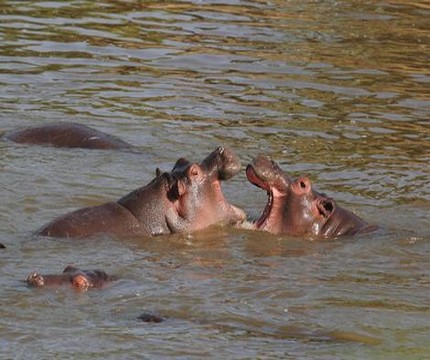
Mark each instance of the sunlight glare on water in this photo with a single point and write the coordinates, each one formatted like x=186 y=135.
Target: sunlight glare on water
x=335 y=90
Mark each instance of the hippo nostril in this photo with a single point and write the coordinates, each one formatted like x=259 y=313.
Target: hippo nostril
x=303 y=184
x=325 y=207
x=328 y=206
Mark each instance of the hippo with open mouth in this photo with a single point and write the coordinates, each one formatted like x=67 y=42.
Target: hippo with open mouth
x=80 y=280
x=187 y=199
x=294 y=208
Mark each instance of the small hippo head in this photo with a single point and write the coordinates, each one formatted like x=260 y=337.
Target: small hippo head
x=294 y=208
x=80 y=280
x=200 y=199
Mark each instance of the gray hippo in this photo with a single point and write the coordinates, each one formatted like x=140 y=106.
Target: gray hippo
x=81 y=280
x=294 y=208
x=67 y=135
x=187 y=199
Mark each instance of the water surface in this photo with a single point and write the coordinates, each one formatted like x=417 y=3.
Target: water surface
x=335 y=90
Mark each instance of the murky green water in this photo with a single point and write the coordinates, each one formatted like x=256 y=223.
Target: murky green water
x=336 y=90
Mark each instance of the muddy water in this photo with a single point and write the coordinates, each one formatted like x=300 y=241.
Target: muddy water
x=336 y=90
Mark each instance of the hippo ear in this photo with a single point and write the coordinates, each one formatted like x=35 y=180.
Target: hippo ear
x=177 y=189
x=194 y=171
x=181 y=188
x=326 y=207
x=158 y=172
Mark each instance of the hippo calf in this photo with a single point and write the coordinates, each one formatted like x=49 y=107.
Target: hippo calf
x=187 y=199
x=81 y=280
x=294 y=208
x=67 y=135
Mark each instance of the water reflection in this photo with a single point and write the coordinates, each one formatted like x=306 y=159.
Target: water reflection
x=336 y=90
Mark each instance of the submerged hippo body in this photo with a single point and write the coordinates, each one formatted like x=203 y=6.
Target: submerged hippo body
x=185 y=200
x=294 y=208
x=67 y=135
x=81 y=280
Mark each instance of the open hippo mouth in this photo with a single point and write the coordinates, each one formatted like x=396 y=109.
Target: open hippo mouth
x=253 y=177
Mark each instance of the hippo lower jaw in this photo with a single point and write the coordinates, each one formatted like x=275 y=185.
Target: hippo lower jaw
x=259 y=223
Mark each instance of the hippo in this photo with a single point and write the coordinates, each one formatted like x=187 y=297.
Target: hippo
x=81 y=280
x=295 y=209
x=202 y=202
x=187 y=199
x=67 y=135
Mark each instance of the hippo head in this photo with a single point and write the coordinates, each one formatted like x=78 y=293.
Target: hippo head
x=294 y=208
x=80 y=280
x=197 y=191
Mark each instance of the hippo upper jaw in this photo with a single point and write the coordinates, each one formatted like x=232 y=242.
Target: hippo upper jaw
x=271 y=217
x=222 y=162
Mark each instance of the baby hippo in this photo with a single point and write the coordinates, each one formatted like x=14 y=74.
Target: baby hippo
x=80 y=280
x=294 y=208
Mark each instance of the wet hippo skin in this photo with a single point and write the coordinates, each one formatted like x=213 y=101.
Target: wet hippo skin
x=67 y=135
x=294 y=208
x=80 y=280
x=187 y=199
x=202 y=201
